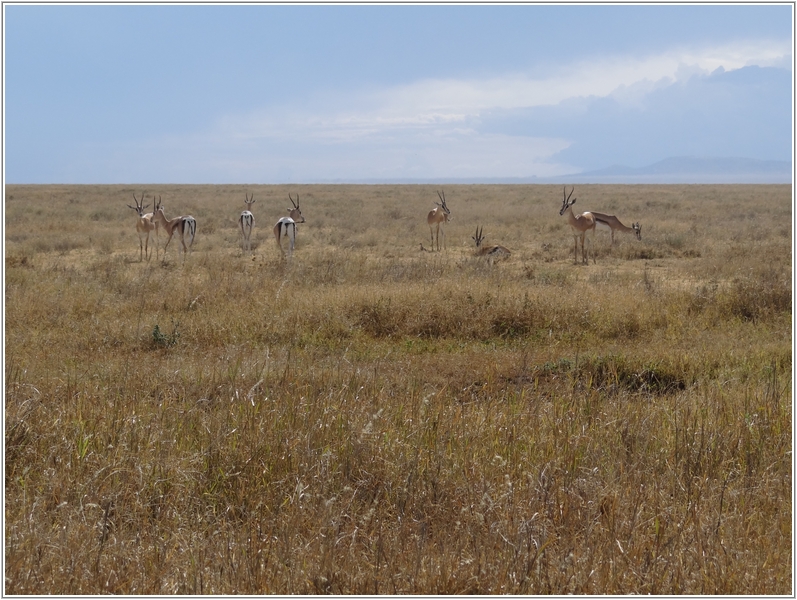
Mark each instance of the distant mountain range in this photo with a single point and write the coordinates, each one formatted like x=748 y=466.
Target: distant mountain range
x=685 y=169
x=681 y=169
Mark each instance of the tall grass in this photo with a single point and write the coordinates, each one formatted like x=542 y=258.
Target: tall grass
x=371 y=418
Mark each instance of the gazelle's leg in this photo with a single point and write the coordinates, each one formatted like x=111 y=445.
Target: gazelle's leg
x=584 y=255
x=590 y=240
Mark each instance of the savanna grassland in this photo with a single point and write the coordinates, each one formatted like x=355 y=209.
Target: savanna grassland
x=374 y=418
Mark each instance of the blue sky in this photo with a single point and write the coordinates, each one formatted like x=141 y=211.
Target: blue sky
x=283 y=94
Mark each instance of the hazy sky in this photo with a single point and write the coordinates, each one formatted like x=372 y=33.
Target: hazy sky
x=273 y=94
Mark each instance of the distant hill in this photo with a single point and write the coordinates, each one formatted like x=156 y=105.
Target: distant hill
x=684 y=169
x=681 y=169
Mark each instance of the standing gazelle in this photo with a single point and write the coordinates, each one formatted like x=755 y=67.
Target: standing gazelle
x=611 y=222
x=286 y=226
x=580 y=224
x=184 y=225
x=492 y=253
x=144 y=225
x=247 y=222
x=436 y=218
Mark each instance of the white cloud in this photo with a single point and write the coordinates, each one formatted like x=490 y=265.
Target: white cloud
x=591 y=77
x=441 y=102
x=428 y=128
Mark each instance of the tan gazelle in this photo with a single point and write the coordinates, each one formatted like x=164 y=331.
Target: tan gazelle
x=492 y=253
x=611 y=222
x=247 y=222
x=580 y=224
x=436 y=218
x=184 y=225
x=286 y=226
x=144 y=225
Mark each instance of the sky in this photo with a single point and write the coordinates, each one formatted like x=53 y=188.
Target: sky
x=344 y=93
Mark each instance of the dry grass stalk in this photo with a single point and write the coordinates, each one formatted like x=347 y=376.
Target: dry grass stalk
x=369 y=418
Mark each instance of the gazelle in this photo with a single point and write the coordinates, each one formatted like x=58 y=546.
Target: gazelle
x=286 y=226
x=247 y=222
x=436 y=218
x=580 y=224
x=144 y=225
x=491 y=252
x=184 y=225
x=611 y=222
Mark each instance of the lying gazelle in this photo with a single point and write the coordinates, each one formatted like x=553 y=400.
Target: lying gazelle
x=580 y=224
x=286 y=226
x=436 y=218
x=605 y=222
x=144 y=225
x=491 y=252
x=247 y=222
x=184 y=225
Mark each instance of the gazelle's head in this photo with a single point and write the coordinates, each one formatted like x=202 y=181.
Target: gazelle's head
x=249 y=201
x=478 y=237
x=139 y=207
x=295 y=212
x=637 y=231
x=442 y=205
x=158 y=205
x=566 y=202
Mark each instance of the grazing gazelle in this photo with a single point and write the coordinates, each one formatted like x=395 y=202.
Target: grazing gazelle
x=247 y=222
x=611 y=222
x=491 y=252
x=286 y=226
x=580 y=225
x=144 y=225
x=437 y=217
x=184 y=225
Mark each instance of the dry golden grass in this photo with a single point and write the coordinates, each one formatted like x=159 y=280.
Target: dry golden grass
x=372 y=418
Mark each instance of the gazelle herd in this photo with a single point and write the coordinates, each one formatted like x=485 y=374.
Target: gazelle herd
x=580 y=224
